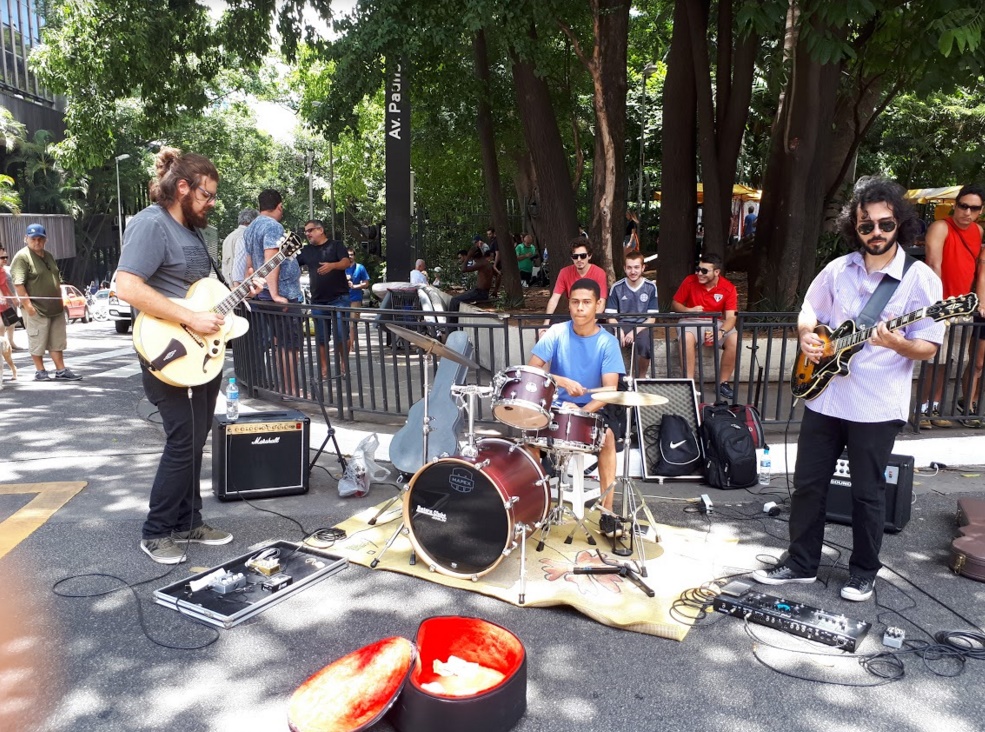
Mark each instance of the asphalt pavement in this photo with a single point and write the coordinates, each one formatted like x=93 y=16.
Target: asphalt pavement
x=113 y=662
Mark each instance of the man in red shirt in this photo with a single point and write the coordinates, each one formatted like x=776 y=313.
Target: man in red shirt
x=953 y=246
x=706 y=291
x=581 y=266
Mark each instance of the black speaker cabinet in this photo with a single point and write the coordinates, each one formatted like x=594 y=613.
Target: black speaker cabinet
x=682 y=400
x=260 y=455
x=899 y=493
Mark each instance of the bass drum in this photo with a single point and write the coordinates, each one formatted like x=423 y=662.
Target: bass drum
x=462 y=512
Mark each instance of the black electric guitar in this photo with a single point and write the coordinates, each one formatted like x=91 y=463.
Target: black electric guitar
x=809 y=379
x=181 y=357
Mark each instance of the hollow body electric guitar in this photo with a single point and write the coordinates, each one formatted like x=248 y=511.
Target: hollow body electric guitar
x=810 y=379
x=179 y=356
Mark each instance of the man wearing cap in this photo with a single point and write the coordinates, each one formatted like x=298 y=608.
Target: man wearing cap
x=38 y=284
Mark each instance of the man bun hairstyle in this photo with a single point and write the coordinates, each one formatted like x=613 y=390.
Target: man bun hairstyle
x=869 y=190
x=172 y=167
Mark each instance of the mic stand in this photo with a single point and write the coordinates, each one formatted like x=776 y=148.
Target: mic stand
x=623 y=570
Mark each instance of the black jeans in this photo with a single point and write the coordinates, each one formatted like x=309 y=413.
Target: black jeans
x=473 y=295
x=175 y=498
x=819 y=446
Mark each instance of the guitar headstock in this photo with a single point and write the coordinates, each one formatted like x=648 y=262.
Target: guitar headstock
x=954 y=307
x=290 y=244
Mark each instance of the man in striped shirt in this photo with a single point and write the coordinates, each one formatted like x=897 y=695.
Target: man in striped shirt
x=634 y=294
x=864 y=410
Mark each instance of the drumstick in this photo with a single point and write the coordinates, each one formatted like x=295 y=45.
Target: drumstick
x=597 y=389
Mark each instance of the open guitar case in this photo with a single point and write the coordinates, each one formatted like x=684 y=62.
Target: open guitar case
x=389 y=678
x=968 y=550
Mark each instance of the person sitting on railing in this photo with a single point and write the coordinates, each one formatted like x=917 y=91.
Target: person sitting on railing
x=707 y=291
x=473 y=261
x=634 y=294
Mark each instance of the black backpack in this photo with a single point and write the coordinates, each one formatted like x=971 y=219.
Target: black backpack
x=678 y=450
x=730 y=455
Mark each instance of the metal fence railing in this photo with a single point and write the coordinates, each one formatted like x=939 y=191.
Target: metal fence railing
x=282 y=354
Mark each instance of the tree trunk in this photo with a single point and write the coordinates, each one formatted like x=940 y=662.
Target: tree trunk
x=490 y=174
x=792 y=207
x=557 y=218
x=678 y=206
x=607 y=68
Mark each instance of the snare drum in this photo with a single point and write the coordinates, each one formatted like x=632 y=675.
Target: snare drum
x=463 y=513
x=570 y=429
x=522 y=397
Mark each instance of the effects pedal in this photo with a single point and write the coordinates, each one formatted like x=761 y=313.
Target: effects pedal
x=893 y=637
x=277 y=582
x=227 y=582
x=740 y=600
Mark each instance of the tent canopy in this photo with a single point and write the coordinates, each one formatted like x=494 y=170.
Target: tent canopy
x=933 y=195
x=740 y=191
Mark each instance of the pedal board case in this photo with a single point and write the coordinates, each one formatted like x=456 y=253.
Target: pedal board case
x=303 y=564
x=390 y=677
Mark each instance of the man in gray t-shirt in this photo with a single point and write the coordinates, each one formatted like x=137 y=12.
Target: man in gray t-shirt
x=163 y=255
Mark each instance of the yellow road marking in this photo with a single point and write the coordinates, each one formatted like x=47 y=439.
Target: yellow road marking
x=50 y=497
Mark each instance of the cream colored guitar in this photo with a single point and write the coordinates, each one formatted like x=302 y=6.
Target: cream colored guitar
x=181 y=357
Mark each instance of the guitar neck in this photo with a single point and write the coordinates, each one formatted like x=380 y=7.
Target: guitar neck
x=242 y=291
x=860 y=336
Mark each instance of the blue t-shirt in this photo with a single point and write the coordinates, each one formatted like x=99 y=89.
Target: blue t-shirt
x=357 y=275
x=265 y=233
x=581 y=358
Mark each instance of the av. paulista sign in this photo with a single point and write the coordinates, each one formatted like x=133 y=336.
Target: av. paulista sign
x=399 y=255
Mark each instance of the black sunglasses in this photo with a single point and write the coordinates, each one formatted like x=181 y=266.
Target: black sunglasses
x=582 y=255
x=867 y=227
x=3 y=256
x=702 y=270
x=967 y=207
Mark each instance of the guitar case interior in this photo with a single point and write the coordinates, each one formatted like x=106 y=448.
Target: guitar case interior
x=400 y=679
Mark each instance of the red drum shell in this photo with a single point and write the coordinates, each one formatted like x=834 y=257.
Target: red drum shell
x=522 y=397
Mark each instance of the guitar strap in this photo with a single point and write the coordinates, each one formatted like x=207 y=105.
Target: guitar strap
x=877 y=301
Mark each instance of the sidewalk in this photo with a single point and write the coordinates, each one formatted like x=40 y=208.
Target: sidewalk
x=80 y=664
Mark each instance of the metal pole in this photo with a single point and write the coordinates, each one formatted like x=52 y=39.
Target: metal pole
x=331 y=184
x=119 y=199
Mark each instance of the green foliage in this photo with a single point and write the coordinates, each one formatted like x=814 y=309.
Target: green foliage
x=9 y=199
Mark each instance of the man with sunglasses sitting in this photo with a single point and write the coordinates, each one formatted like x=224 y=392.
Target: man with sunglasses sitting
x=953 y=246
x=581 y=267
x=707 y=291
x=861 y=411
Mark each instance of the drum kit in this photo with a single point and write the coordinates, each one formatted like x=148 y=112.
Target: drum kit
x=465 y=513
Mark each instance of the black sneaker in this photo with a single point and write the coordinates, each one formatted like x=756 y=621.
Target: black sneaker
x=725 y=391
x=858 y=589
x=781 y=574
x=610 y=526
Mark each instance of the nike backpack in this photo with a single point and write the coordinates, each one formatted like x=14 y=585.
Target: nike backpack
x=679 y=451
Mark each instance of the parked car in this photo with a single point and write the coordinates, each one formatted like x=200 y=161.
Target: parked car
x=76 y=306
x=118 y=309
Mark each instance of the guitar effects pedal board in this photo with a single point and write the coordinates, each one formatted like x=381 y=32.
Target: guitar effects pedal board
x=740 y=600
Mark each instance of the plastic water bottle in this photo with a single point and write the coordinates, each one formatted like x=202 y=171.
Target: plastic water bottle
x=765 y=467
x=232 y=400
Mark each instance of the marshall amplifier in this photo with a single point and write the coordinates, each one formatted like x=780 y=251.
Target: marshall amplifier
x=260 y=455
x=899 y=493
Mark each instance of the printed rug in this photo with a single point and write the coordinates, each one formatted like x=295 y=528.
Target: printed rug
x=682 y=559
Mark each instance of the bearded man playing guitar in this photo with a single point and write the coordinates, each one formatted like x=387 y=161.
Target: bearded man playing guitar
x=864 y=409
x=163 y=255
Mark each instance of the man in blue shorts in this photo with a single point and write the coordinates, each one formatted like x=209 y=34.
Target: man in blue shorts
x=326 y=261
x=580 y=355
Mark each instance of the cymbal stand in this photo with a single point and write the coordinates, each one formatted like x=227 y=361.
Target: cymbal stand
x=561 y=511
x=425 y=431
x=466 y=394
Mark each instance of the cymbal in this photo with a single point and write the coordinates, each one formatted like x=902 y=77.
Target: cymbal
x=431 y=345
x=630 y=398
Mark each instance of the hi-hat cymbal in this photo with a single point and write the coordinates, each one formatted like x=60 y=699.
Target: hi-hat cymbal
x=431 y=345
x=630 y=398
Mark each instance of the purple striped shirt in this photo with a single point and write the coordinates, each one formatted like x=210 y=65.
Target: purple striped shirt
x=880 y=381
